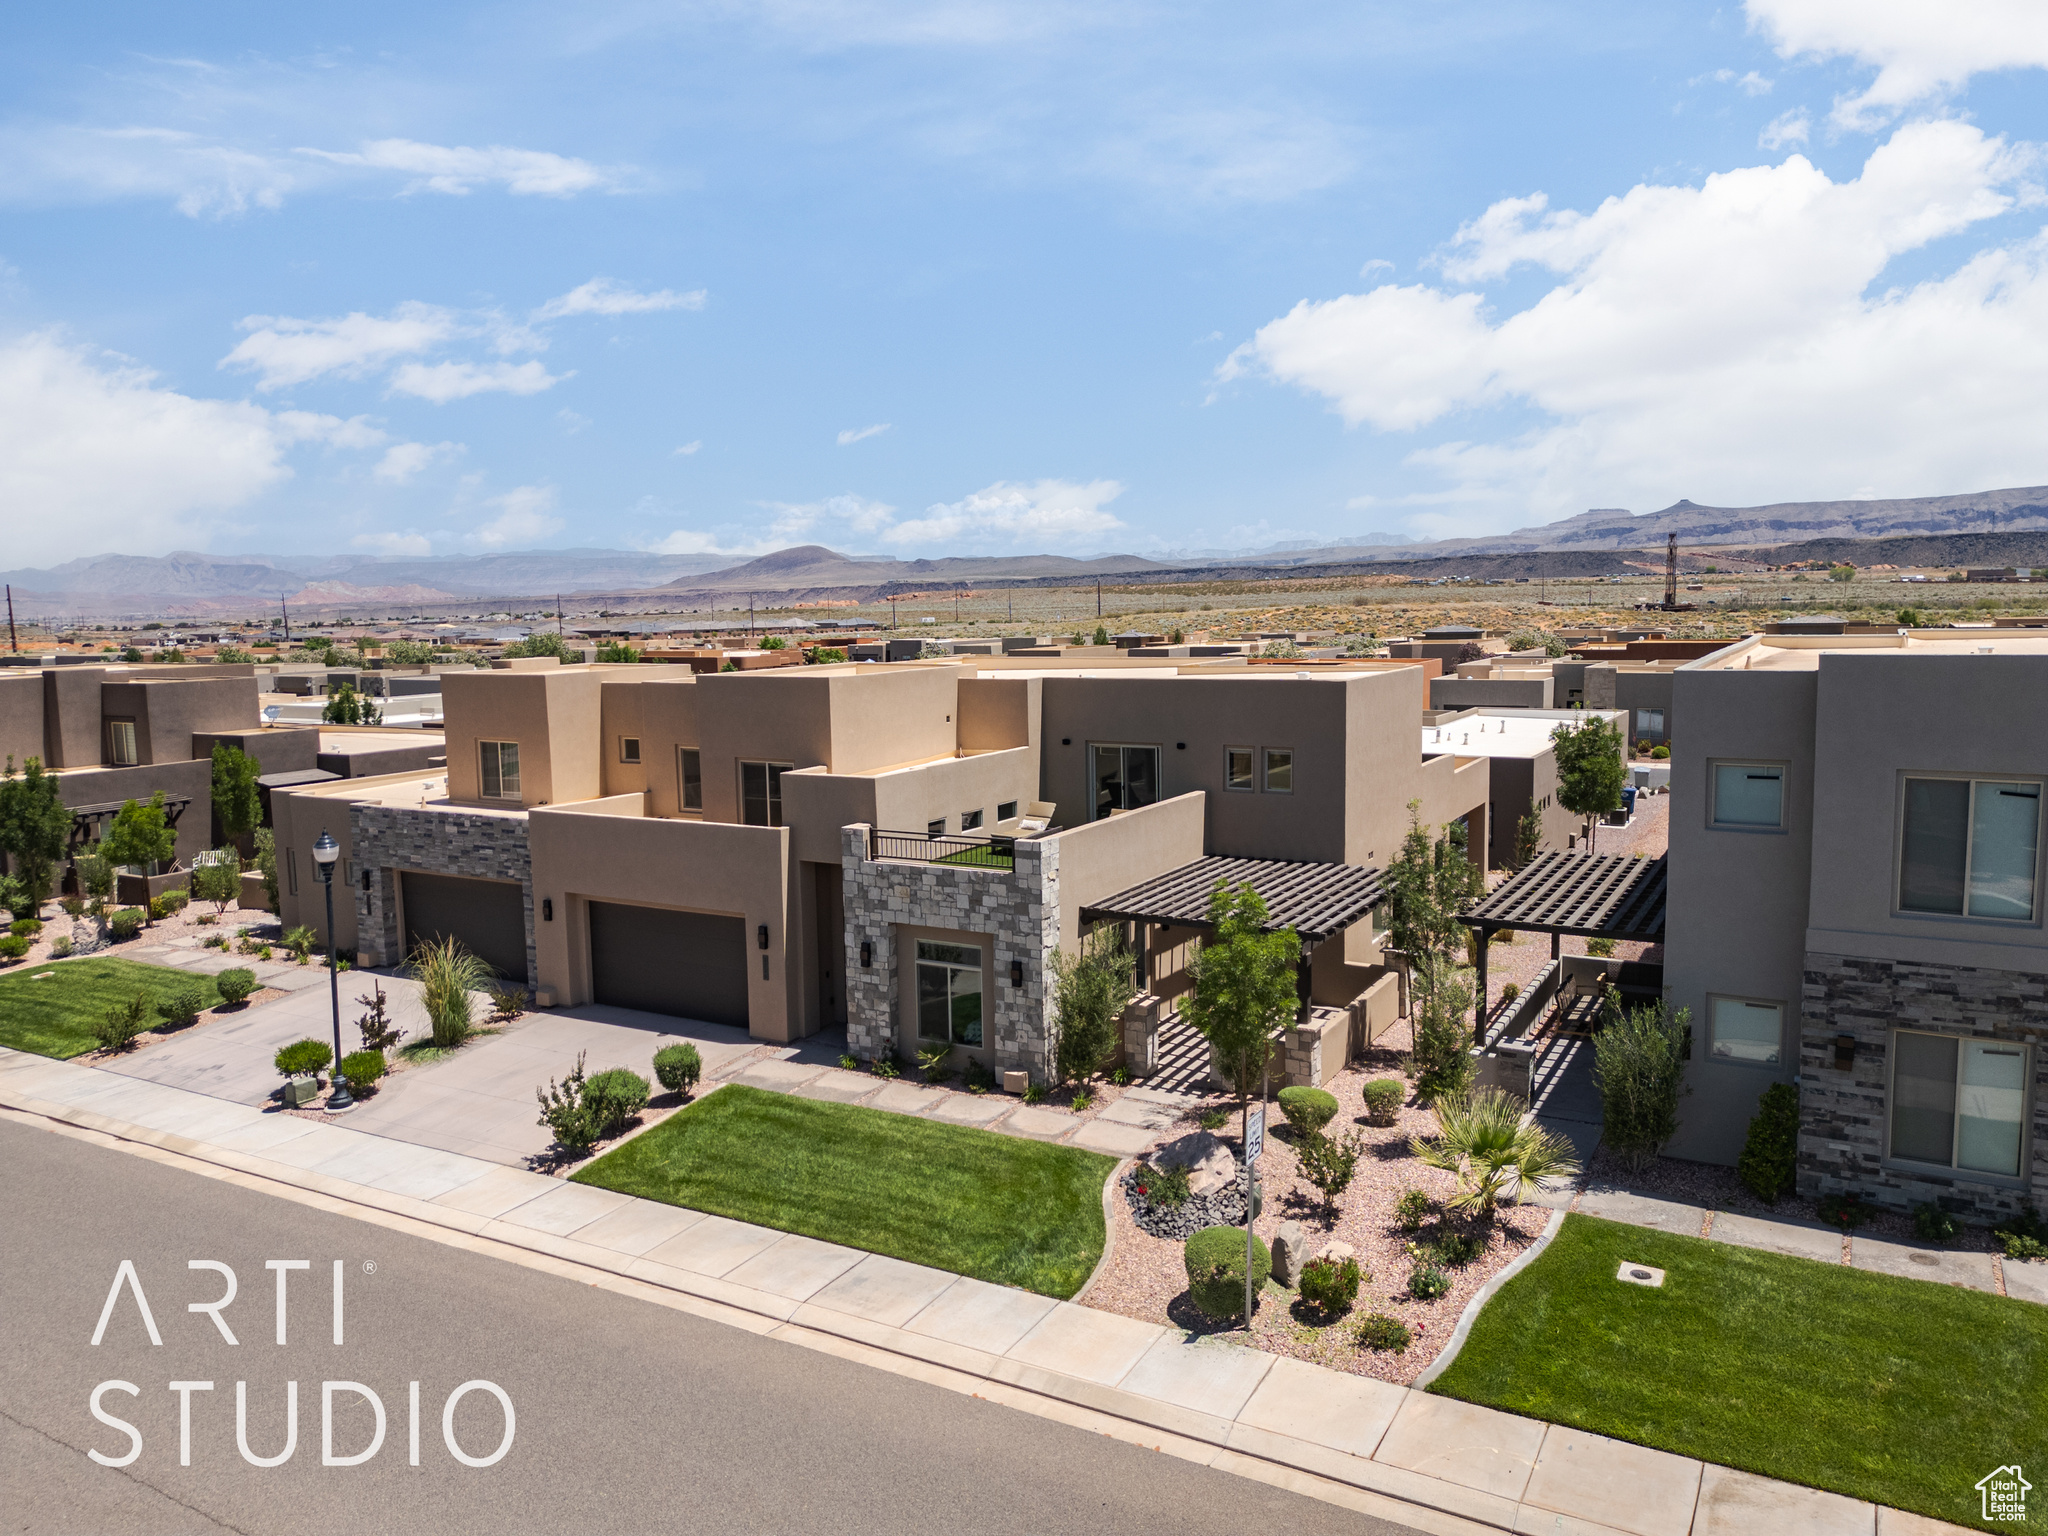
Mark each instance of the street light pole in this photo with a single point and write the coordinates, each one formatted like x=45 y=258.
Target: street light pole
x=325 y=851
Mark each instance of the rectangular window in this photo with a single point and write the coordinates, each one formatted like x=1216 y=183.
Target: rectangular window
x=1125 y=778
x=1649 y=722
x=1006 y=811
x=970 y=821
x=1958 y=1103
x=1749 y=795
x=291 y=869
x=121 y=743
x=1969 y=848
x=629 y=749
x=935 y=828
x=689 y=779
x=1279 y=770
x=1238 y=770
x=1746 y=1032
x=949 y=993
x=761 y=793
x=499 y=779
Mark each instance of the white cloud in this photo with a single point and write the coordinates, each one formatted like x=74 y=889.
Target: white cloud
x=283 y=350
x=1045 y=511
x=572 y=422
x=201 y=176
x=1786 y=129
x=1729 y=342
x=442 y=382
x=404 y=460
x=1921 y=50
x=601 y=296
x=525 y=516
x=855 y=434
x=458 y=170
x=1754 y=84
x=95 y=455
x=408 y=543
x=689 y=448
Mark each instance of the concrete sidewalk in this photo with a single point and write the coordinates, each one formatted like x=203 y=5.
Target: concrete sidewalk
x=1452 y=1466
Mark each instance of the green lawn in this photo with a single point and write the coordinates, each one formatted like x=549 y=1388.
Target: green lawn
x=1904 y=1392
x=996 y=1207
x=55 y=1017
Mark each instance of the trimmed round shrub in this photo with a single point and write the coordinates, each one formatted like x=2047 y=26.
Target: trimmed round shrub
x=235 y=985
x=126 y=923
x=1308 y=1110
x=613 y=1098
x=1380 y=1331
x=14 y=946
x=1215 y=1262
x=1511 y=990
x=1330 y=1285
x=183 y=1008
x=25 y=927
x=302 y=1058
x=1384 y=1097
x=677 y=1067
x=361 y=1069
x=1660 y=753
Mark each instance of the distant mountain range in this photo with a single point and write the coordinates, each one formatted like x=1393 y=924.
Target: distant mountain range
x=230 y=585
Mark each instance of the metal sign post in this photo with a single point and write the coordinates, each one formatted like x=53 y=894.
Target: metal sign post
x=1254 y=1145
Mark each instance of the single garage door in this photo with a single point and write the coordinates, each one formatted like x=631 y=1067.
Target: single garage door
x=690 y=964
x=487 y=917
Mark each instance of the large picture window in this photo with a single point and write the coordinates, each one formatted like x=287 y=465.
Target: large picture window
x=1125 y=778
x=1745 y=1031
x=1968 y=848
x=1958 y=1103
x=1749 y=795
x=761 y=793
x=499 y=762
x=949 y=993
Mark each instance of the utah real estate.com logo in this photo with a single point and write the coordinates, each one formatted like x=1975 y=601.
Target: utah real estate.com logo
x=2005 y=1494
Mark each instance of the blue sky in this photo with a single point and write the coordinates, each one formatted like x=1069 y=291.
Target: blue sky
x=993 y=277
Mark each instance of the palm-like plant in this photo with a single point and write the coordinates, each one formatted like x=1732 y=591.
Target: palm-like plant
x=448 y=974
x=1496 y=1149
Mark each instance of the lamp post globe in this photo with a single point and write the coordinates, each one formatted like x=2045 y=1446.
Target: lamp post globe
x=325 y=851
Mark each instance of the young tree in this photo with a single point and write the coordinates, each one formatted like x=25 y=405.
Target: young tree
x=1442 y=1055
x=35 y=829
x=617 y=652
x=1244 y=985
x=219 y=880
x=1639 y=1063
x=347 y=707
x=1089 y=996
x=142 y=835
x=1590 y=770
x=1528 y=837
x=236 y=802
x=266 y=862
x=1431 y=882
x=543 y=642
x=1101 y=635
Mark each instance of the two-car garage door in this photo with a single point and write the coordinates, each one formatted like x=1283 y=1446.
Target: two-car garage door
x=689 y=964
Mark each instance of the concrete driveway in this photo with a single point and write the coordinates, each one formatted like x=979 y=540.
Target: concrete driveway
x=480 y=1101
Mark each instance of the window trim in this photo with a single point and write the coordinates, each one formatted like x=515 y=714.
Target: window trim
x=774 y=772
x=1951 y=1169
x=981 y=943
x=629 y=750
x=1266 y=770
x=683 y=755
x=518 y=778
x=1251 y=763
x=1972 y=778
x=1713 y=1034
x=1123 y=768
x=1714 y=767
x=134 y=742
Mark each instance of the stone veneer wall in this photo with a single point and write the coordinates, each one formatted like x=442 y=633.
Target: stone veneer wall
x=389 y=839
x=1018 y=907
x=1842 y=1112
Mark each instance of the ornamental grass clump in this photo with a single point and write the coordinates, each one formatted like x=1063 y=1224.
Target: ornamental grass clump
x=1496 y=1151
x=448 y=974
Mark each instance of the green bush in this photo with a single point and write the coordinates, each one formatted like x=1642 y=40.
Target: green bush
x=678 y=1067
x=25 y=927
x=1380 y=1331
x=1600 y=949
x=300 y=942
x=1931 y=1224
x=1660 y=753
x=126 y=923
x=219 y=881
x=361 y=1069
x=507 y=1003
x=1639 y=1063
x=931 y=1062
x=614 y=1098
x=1330 y=1164
x=1214 y=1119
x=1089 y=995
x=302 y=1058
x=1511 y=991
x=235 y=984
x=1843 y=1210
x=182 y=1009
x=60 y=947
x=1330 y=1285
x=1770 y=1150
x=1411 y=1210
x=117 y=1029
x=1427 y=1281
x=1308 y=1110
x=1166 y=1187
x=14 y=946
x=1454 y=1250
x=1215 y=1263
x=1384 y=1097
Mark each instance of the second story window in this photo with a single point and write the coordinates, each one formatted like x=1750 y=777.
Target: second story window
x=970 y=821
x=1969 y=848
x=1238 y=770
x=1279 y=770
x=499 y=778
x=761 y=793
x=1749 y=796
x=1007 y=811
x=1125 y=778
x=690 y=778
x=629 y=749
x=121 y=743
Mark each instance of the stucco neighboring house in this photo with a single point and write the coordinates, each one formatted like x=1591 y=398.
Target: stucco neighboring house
x=897 y=849
x=1856 y=906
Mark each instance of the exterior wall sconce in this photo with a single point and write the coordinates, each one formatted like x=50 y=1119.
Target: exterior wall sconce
x=761 y=937
x=1066 y=741
x=547 y=909
x=867 y=955
x=1180 y=746
x=366 y=880
x=1845 y=1053
x=1016 y=973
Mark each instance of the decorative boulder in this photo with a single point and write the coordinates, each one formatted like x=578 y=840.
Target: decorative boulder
x=1337 y=1252
x=1207 y=1158
x=1290 y=1252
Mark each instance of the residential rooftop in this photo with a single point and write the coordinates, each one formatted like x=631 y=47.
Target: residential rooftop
x=1802 y=653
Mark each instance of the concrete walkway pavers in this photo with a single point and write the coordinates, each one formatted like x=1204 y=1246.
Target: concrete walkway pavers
x=1922 y=1261
x=2026 y=1279
x=971 y=1109
x=835 y=1088
x=776 y=1076
x=1039 y=1124
x=1474 y=1465
x=1643 y=1211
x=1801 y=1239
x=1114 y=1140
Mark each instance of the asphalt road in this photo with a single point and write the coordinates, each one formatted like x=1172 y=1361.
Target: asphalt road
x=630 y=1416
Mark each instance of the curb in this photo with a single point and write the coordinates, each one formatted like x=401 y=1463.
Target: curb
x=1109 y=1186
x=1487 y=1292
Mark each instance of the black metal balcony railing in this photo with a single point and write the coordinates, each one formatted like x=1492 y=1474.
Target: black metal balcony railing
x=921 y=848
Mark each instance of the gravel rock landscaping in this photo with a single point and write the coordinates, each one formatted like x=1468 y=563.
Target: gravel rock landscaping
x=1176 y=1223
